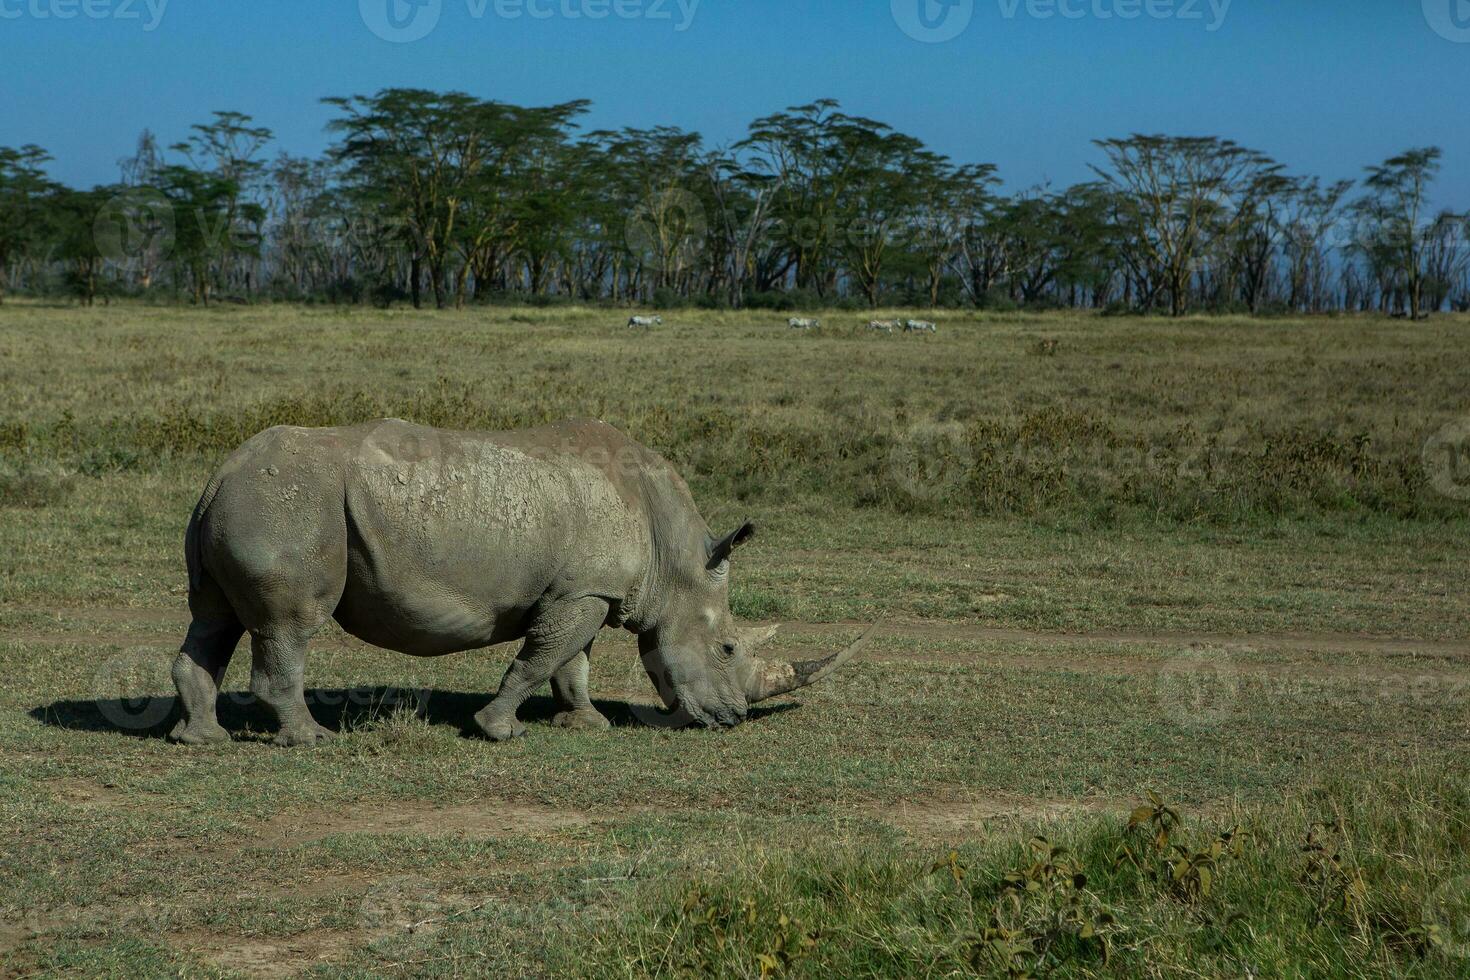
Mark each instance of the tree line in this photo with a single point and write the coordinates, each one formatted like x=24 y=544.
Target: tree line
x=446 y=199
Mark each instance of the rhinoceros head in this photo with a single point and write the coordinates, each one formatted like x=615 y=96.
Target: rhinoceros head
x=702 y=662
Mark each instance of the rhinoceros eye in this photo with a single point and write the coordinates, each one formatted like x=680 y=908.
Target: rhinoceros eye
x=728 y=649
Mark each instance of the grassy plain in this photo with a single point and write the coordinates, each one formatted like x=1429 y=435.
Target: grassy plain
x=1209 y=559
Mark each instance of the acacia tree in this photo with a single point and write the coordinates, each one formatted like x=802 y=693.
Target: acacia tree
x=1089 y=261
x=979 y=256
x=656 y=173
x=812 y=150
x=151 y=231
x=1398 y=190
x=1037 y=238
x=742 y=202
x=469 y=195
x=1445 y=257
x=875 y=212
x=203 y=204
x=413 y=153
x=300 y=217
x=1181 y=193
x=1312 y=212
x=71 y=217
x=517 y=195
x=23 y=186
x=936 y=221
x=226 y=150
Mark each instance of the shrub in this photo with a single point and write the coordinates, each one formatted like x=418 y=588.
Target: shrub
x=31 y=488
x=1275 y=891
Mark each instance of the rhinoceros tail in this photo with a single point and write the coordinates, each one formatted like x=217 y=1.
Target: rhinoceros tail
x=193 y=547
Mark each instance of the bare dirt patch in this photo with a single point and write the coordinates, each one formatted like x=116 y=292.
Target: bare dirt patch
x=962 y=818
x=86 y=792
x=483 y=819
x=395 y=916
x=958 y=818
x=267 y=957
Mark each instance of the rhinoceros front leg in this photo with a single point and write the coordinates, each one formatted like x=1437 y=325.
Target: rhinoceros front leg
x=559 y=634
x=569 y=684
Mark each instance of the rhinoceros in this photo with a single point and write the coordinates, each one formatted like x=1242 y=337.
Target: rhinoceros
x=432 y=542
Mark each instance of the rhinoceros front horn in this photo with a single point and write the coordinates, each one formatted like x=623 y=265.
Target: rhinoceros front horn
x=774 y=679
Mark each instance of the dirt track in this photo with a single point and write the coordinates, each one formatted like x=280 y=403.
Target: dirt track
x=177 y=621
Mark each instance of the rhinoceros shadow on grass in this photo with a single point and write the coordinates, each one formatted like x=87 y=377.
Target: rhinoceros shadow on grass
x=430 y=542
x=340 y=709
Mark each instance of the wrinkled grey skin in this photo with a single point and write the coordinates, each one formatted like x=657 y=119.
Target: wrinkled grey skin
x=431 y=542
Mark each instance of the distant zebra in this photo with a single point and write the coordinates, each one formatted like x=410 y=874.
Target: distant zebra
x=883 y=326
x=645 y=321
x=800 y=323
x=919 y=326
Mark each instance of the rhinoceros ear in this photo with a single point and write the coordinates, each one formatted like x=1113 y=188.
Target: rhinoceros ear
x=719 y=552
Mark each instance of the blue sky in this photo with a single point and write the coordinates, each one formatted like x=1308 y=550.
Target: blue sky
x=1325 y=86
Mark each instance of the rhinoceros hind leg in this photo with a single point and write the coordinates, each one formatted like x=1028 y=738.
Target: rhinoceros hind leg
x=198 y=670
x=569 y=685
x=277 y=678
x=559 y=634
